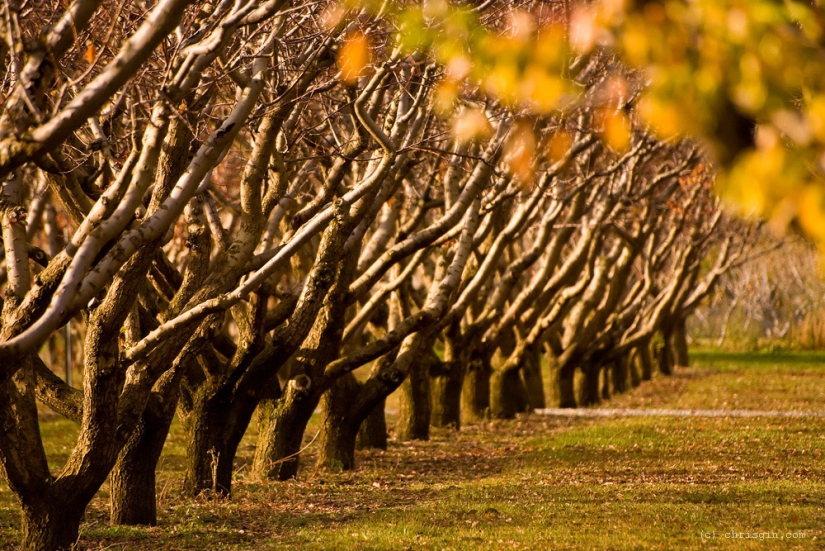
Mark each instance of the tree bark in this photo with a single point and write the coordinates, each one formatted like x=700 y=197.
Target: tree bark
x=645 y=360
x=373 y=431
x=567 y=387
x=507 y=394
x=475 y=392
x=414 y=415
x=604 y=377
x=281 y=426
x=133 y=478
x=133 y=489
x=445 y=389
x=634 y=367
x=51 y=526
x=532 y=378
x=209 y=453
x=665 y=354
x=338 y=431
x=591 y=390
x=679 y=344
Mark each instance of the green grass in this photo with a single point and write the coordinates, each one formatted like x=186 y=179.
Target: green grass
x=532 y=483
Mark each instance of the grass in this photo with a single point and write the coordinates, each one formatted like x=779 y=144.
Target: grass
x=532 y=483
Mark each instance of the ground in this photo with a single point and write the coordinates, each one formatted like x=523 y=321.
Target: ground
x=533 y=483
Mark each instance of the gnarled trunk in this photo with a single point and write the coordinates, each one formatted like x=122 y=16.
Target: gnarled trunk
x=590 y=392
x=445 y=390
x=52 y=525
x=133 y=497
x=567 y=387
x=604 y=377
x=209 y=453
x=665 y=355
x=338 y=430
x=532 y=379
x=619 y=371
x=634 y=367
x=679 y=344
x=133 y=478
x=414 y=415
x=645 y=359
x=475 y=392
x=507 y=394
x=373 y=431
x=281 y=425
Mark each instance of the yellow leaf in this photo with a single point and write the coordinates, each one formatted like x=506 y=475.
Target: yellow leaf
x=663 y=117
x=353 y=57
x=503 y=83
x=811 y=209
x=540 y=90
x=90 y=54
x=520 y=153
x=444 y=97
x=616 y=130
x=471 y=125
x=583 y=29
x=558 y=146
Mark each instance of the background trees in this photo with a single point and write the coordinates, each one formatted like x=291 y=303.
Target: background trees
x=241 y=205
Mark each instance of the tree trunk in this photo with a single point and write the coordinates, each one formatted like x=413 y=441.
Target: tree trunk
x=620 y=371
x=133 y=478
x=604 y=377
x=281 y=426
x=414 y=415
x=567 y=387
x=532 y=380
x=634 y=367
x=445 y=388
x=645 y=360
x=348 y=404
x=338 y=431
x=475 y=392
x=507 y=394
x=209 y=455
x=133 y=490
x=679 y=344
x=665 y=355
x=591 y=390
x=373 y=431
x=52 y=526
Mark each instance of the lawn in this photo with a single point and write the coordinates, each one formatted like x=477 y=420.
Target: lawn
x=535 y=482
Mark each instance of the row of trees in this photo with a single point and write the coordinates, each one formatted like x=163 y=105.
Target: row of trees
x=241 y=209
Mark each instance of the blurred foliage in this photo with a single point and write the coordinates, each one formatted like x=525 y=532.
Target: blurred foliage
x=745 y=77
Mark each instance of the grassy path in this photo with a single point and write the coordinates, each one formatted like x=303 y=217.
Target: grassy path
x=538 y=482
x=659 y=412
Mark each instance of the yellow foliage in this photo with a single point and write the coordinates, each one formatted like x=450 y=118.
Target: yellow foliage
x=558 y=145
x=583 y=29
x=354 y=57
x=520 y=153
x=503 y=82
x=472 y=124
x=444 y=97
x=616 y=130
x=540 y=91
x=663 y=117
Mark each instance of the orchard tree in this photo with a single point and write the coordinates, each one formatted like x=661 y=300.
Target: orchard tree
x=238 y=205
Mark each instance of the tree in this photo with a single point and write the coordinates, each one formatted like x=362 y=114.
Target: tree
x=263 y=198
